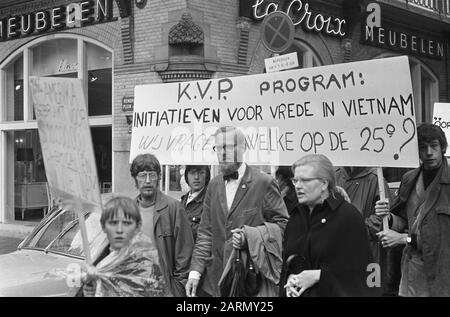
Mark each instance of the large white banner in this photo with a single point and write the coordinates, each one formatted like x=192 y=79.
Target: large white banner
x=359 y=114
x=441 y=117
x=65 y=138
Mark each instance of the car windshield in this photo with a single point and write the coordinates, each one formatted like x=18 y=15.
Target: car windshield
x=61 y=234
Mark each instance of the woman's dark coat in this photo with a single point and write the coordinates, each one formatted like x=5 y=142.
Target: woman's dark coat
x=334 y=240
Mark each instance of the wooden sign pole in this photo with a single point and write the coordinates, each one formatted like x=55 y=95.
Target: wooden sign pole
x=382 y=195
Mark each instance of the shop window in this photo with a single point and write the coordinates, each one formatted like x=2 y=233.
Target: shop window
x=55 y=58
x=13 y=86
x=25 y=182
x=99 y=80
x=102 y=143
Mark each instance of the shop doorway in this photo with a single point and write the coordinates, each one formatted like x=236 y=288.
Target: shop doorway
x=102 y=142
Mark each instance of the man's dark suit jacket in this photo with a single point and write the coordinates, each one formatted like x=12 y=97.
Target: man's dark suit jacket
x=257 y=200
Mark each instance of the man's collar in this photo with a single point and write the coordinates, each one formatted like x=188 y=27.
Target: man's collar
x=192 y=195
x=241 y=170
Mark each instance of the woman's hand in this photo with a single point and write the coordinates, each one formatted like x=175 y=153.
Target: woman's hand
x=297 y=284
x=391 y=238
x=292 y=290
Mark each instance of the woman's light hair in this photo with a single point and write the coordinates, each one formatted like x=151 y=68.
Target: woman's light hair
x=323 y=169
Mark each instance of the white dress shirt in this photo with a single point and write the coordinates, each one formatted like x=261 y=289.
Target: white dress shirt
x=231 y=186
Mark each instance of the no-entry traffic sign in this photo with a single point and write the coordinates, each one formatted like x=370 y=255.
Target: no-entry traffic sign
x=277 y=32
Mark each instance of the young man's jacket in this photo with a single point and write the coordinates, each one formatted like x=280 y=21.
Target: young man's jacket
x=434 y=229
x=194 y=210
x=174 y=242
x=257 y=200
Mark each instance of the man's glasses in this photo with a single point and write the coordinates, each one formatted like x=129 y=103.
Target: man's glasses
x=296 y=181
x=224 y=148
x=142 y=176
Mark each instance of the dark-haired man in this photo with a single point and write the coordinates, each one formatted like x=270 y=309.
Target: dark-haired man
x=420 y=219
x=165 y=222
x=197 y=177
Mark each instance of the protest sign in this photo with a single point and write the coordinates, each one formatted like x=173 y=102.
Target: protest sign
x=65 y=137
x=441 y=118
x=359 y=114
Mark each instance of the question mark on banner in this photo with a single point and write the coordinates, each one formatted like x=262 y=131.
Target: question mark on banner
x=396 y=156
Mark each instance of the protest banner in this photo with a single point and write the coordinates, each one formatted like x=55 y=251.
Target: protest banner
x=65 y=137
x=441 y=118
x=358 y=114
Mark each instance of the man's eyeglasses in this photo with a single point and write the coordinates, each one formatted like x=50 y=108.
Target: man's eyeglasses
x=142 y=176
x=295 y=181
x=224 y=148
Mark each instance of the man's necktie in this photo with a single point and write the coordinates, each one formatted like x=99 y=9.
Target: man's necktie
x=234 y=175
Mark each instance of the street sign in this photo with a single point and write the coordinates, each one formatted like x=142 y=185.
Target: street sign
x=127 y=103
x=281 y=62
x=277 y=32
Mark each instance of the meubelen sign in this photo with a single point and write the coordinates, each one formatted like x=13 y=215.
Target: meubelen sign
x=301 y=14
x=56 y=18
x=382 y=36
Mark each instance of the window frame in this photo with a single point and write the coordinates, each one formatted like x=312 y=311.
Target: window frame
x=28 y=123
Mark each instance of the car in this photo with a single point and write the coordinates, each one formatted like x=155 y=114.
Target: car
x=54 y=244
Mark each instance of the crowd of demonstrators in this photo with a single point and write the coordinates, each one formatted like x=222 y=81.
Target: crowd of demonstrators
x=241 y=207
x=165 y=222
x=300 y=232
x=361 y=185
x=419 y=219
x=131 y=267
x=197 y=177
x=326 y=249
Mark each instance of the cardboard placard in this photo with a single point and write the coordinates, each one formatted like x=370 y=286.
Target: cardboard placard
x=359 y=114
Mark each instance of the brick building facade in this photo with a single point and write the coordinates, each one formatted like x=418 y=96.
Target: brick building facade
x=123 y=43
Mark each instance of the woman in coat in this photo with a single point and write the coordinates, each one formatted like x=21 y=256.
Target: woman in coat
x=326 y=250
